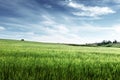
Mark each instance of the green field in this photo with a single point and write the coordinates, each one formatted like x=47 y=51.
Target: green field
x=22 y=60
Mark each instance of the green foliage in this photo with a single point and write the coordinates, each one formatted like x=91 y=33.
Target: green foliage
x=44 y=61
x=104 y=42
x=22 y=40
x=115 y=41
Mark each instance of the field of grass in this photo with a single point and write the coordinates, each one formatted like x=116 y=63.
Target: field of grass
x=21 y=60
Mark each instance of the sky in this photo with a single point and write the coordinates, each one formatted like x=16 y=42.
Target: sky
x=60 y=21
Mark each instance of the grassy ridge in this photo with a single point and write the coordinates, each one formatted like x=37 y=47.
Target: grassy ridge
x=43 y=61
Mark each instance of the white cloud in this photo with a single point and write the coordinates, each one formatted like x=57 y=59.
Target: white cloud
x=2 y=28
x=116 y=28
x=48 y=20
x=64 y=34
x=49 y=29
x=76 y=34
x=57 y=38
x=95 y=11
x=56 y=29
x=56 y=34
x=87 y=27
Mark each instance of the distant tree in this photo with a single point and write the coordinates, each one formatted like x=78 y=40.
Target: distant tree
x=22 y=40
x=108 y=42
x=104 y=42
x=101 y=43
x=115 y=41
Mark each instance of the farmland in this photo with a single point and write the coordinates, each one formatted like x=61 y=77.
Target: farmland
x=23 y=60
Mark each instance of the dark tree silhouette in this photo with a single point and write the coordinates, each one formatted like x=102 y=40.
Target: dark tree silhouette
x=104 y=42
x=115 y=41
x=22 y=40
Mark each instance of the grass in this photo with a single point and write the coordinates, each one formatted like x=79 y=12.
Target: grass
x=22 y=60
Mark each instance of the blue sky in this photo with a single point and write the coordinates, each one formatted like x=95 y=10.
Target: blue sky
x=60 y=21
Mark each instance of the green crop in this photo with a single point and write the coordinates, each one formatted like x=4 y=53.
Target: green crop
x=21 y=60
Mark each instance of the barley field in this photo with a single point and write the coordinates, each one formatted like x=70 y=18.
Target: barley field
x=23 y=60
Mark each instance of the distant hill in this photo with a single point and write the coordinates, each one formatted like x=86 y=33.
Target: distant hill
x=101 y=44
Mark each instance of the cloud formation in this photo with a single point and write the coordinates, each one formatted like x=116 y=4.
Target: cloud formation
x=83 y=10
x=58 y=21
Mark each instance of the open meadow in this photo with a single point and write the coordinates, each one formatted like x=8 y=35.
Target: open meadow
x=23 y=60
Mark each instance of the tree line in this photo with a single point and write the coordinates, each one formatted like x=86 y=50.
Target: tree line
x=105 y=42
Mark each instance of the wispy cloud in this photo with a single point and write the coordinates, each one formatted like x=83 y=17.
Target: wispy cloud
x=2 y=28
x=84 y=34
x=95 y=11
x=49 y=21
